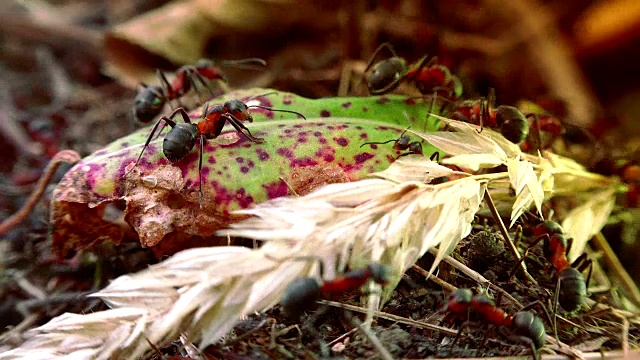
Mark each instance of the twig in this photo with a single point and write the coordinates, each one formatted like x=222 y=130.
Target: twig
x=373 y=339
x=617 y=270
x=445 y=285
x=505 y=235
x=391 y=317
x=64 y=156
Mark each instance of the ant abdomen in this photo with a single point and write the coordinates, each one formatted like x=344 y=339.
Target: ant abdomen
x=384 y=73
x=573 y=289
x=300 y=296
x=179 y=141
x=528 y=325
x=513 y=125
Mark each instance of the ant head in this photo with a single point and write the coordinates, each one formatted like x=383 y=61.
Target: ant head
x=513 y=125
x=238 y=109
x=385 y=75
x=403 y=141
x=459 y=300
x=379 y=273
x=548 y=227
x=148 y=103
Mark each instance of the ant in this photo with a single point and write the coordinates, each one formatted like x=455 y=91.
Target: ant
x=302 y=294
x=571 y=288
x=181 y=139
x=524 y=324
x=151 y=99
x=402 y=143
x=386 y=75
x=512 y=123
x=629 y=173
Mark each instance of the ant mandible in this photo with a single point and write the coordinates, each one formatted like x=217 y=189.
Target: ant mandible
x=302 y=294
x=181 y=139
x=523 y=323
x=428 y=76
x=512 y=123
x=402 y=143
x=150 y=101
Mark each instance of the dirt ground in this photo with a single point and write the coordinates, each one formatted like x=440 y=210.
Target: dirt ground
x=57 y=95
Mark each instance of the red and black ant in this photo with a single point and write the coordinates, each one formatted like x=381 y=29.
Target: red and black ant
x=513 y=125
x=302 y=294
x=524 y=324
x=151 y=99
x=181 y=139
x=402 y=143
x=571 y=287
x=428 y=76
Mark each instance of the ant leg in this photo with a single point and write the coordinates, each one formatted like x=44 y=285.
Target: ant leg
x=200 y=195
x=183 y=113
x=155 y=127
x=513 y=271
x=435 y=157
x=170 y=95
x=582 y=263
x=237 y=124
x=455 y=339
x=377 y=51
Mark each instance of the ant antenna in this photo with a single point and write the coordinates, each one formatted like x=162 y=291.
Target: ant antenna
x=265 y=94
x=385 y=142
x=250 y=63
x=272 y=109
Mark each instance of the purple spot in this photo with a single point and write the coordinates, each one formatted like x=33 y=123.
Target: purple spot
x=359 y=127
x=364 y=136
x=322 y=141
x=262 y=155
x=317 y=133
x=211 y=160
x=410 y=101
x=276 y=189
x=281 y=125
x=302 y=139
x=225 y=167
x=365 y=109
x=319 y=124
x=360 y=158
x=325 y=113
x=244 y=200
x=341 y=141
x=302 y=162
x=240 y=160
x=331 y=127
x=285 y=152
x=219 y=172
x=287 y=131
x=297 y=126
x=287 y=100
x=124 y=144
x=382 y=100
x=329 y=157
x=244 y=169
x=188 y=183
x=205 y=171
x=347 y=104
